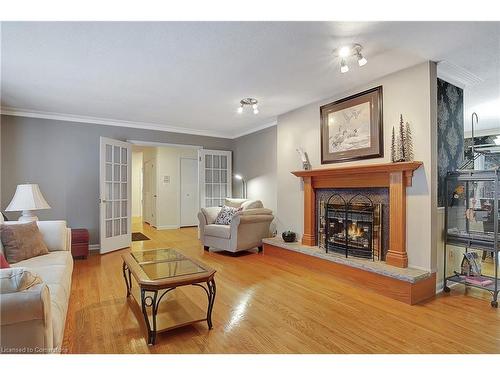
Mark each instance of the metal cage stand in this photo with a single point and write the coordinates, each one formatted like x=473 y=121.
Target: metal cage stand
x=468 y=241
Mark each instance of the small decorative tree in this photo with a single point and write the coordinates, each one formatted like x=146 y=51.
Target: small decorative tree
x=393 y=146
x=402 y=142
x=408 y=143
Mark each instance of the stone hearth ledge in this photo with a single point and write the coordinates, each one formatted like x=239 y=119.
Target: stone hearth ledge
x=411 y=275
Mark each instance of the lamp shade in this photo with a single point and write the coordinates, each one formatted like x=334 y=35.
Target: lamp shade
x=27 y=197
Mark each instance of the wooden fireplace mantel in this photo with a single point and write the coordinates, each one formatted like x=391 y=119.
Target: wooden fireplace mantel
x=395 y=176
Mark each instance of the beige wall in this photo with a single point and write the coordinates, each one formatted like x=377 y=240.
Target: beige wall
x=168 y=201
x=411 y=92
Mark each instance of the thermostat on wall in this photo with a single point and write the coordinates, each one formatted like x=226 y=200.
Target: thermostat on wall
x=166 y=179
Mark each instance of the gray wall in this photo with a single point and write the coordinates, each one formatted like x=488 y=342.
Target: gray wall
x=63 y=158
x=255 y=158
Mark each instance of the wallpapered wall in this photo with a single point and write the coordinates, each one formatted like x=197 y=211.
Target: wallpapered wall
x=450 y=121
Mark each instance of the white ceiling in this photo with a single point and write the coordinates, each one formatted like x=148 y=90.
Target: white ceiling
x=190 y=76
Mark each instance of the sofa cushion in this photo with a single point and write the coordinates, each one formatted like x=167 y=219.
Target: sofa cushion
x=56 y=258
x=234 y=202
x=248 y=205
x=3 y=262
x=55 y=270
x=54 y=234
x=17 y=279
x=22 y=241
x=221 y=231
x=58 y=309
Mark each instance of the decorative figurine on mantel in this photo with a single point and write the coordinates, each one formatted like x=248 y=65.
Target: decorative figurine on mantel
x=306 y=165
x=402 y=144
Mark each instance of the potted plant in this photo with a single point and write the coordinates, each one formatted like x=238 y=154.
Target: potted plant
x=289 y=236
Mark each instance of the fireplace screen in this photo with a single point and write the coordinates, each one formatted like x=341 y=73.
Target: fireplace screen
x=351 y=228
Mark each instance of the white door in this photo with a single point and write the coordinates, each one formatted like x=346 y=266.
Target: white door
x=149 y=190
x=215 y=177
x=189 y=204
x=115 y=191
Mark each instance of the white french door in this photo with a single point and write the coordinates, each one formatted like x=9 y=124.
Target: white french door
x=115 y=192
x=215 y=177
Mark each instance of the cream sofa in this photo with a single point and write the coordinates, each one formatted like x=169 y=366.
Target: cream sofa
x=33 y=320
x=248 y=227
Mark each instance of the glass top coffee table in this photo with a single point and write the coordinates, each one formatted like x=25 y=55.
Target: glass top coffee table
x=159 y=271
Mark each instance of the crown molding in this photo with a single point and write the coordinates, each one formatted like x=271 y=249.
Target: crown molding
x=456 y=75
x=273 y=122
x=11 y=111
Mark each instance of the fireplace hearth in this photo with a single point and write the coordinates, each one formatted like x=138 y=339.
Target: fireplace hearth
x=351 y=226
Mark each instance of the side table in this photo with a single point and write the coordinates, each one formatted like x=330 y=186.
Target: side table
x=80 y=243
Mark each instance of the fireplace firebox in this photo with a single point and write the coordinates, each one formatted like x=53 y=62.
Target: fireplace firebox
x=351 y=227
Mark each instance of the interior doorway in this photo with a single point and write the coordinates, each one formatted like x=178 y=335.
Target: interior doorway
x=189 y=196
x=149 y=192
x=165 y=185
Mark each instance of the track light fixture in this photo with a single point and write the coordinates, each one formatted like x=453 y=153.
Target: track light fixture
x=347 y=51
x=254 y=103
x=343 y=66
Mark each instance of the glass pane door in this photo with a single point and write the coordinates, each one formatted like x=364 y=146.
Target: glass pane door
x=115 y=193
x=215 y=177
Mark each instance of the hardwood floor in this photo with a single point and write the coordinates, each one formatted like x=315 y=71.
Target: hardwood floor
x=266 y=304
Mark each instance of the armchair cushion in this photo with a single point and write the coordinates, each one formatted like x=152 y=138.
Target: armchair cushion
x=245 y=204
x=226 y=215
x=251 y=204
x=220 y=231
x=234 y=202
x=210 y=214
x=256 y=211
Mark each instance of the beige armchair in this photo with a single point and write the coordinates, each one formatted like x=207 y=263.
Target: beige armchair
x=246 y=231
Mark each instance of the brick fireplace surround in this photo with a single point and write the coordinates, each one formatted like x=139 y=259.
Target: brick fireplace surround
x=395 y=176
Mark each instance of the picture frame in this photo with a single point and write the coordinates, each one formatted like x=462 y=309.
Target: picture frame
x=352 y=127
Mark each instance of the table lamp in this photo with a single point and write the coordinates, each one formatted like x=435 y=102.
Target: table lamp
x=27 y=198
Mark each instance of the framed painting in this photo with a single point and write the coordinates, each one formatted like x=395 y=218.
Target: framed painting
x=352 y=128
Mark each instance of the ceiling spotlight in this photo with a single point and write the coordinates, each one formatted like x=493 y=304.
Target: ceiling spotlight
x=347 y=52
x=344 y=51
x=248 y=102
x=343 y=67
x=361 y=60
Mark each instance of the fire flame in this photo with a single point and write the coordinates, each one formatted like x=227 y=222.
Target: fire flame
x=354 y=231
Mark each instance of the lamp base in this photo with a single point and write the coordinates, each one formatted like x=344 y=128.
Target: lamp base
x=28 y=216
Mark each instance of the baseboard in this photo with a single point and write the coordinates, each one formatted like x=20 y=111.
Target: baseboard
x=163 y=227
x=95 y=248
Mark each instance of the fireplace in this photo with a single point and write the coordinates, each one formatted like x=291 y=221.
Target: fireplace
x=351 y=226
x=394 y=176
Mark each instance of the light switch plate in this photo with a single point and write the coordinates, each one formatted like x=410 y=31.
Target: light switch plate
x=166 y=179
